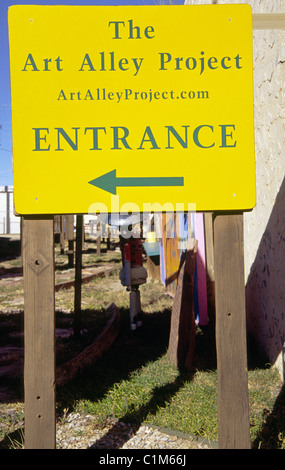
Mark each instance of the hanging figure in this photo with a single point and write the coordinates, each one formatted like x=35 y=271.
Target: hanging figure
x=132 y=273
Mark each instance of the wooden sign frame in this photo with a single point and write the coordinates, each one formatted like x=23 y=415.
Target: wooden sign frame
x=39 y=374
x=39 y=331
x=228 y=275
x=231 y=346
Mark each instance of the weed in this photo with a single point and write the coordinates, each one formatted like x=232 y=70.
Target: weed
x=134 y=381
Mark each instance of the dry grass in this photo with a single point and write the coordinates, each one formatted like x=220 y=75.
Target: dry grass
x=134 y=381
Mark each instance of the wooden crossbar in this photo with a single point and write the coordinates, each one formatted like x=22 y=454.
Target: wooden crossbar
x=268 y=21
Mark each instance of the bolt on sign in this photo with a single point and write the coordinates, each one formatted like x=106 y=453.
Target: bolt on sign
x=128 y=107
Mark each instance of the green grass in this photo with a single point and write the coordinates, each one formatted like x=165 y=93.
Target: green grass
x=135 y=382
x=156 y=393
x=267 y=408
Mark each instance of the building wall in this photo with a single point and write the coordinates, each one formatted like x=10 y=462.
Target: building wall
x=264 y=227
x=9 y=223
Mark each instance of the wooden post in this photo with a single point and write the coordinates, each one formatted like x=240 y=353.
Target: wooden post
x=62 y=237
x=109 y=239
x=182 y=329
x=39 y=330
x=78 y=276
x=83 y=233
x=70 y=238
x=209 y=244
x=98 y=239
x=209 y=248
x=233 y=407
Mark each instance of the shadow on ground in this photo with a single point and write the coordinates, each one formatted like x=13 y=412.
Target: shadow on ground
x=129 y=353
x=270 y=435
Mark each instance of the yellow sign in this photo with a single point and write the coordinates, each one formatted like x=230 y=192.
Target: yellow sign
x=132 y=108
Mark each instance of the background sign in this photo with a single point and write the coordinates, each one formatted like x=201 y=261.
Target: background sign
x=132 y=108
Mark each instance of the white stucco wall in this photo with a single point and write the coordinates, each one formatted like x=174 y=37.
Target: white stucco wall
x=264 y=227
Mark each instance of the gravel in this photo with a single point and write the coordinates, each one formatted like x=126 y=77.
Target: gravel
x=82 y=431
